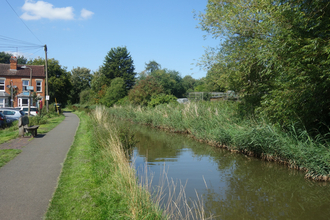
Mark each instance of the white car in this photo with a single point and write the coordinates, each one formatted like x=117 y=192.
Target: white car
x=33 y=110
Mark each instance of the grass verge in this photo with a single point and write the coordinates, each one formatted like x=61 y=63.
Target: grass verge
x=7 y=155
x=218 y=124
x=97 y=182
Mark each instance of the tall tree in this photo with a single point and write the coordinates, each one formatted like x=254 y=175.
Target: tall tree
x=59 y=84
x=152 y=66
x=119 y=63
x=81 y=78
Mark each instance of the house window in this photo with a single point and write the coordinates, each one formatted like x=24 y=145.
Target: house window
x=39 y=88
x=2 y=85
x=25 y=84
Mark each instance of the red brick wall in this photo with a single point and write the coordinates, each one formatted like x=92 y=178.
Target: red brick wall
x=18 y=82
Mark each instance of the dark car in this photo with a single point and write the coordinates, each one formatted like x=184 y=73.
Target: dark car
x=2 y=120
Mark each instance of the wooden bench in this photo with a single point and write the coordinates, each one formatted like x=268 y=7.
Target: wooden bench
x=23 y=127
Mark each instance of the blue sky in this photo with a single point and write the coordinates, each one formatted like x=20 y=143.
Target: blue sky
x=81 y=33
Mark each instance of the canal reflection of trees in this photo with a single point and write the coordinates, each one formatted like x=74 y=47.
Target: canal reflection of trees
x=254 y=189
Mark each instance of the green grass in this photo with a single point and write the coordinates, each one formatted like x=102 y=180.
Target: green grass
x=98 y=184
x=73 y=198
x=218 y=124
x=7 y=155
x=11 y=132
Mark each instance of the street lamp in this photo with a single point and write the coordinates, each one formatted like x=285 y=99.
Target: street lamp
x=30 y=84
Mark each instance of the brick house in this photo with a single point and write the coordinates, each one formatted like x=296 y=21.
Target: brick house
x=14 y=75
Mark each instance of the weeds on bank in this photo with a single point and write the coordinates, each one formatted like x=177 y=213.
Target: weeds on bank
x=219 y=125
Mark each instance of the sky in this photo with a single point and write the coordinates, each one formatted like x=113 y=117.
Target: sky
x=81 y=33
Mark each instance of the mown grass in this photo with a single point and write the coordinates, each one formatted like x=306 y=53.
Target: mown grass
x=218 y=124
x=7 y=155
x=97 y=181
x=49 y=122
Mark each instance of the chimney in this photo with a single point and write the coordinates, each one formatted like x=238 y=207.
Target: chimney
x=13 y=63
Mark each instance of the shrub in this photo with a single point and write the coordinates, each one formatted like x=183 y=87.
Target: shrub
x=161 y=99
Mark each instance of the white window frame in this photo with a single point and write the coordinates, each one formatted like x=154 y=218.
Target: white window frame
x=39 y=81
x=20 y=102
x=24 y=86
x=4 y=84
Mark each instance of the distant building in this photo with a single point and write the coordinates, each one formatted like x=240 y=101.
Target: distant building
x=13 y=75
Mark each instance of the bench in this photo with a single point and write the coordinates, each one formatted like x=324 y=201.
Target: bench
x=32 y=130
x=23 y=127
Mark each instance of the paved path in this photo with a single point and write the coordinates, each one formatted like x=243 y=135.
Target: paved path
x=28 y=182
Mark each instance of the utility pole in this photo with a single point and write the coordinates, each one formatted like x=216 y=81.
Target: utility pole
x=45 y=48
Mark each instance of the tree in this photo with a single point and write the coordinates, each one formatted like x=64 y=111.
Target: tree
x=170 y=80
x=81 y=80
x=115 y=92
x=141 y=93
x=5 y=58
x=119 y=63
x=59 y=85
x=275 y=54
x=152 y=66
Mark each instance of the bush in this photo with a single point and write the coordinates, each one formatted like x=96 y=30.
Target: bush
x=161 y=99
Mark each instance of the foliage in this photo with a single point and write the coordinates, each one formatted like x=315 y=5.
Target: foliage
x=115 y=92
x=85 y=96
x=170 y=80
x=5 y=58
x=59 y=84
x=275 y=55
x=152 y=66
x=123 y=101
x=81 y=78
x=141 y=93
x=119 y=63
x=161 y=99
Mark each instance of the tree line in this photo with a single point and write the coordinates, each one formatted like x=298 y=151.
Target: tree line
x=116 y=81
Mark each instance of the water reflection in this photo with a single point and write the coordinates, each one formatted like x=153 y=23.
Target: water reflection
x=232 y=186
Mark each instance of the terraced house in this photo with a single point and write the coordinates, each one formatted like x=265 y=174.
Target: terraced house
x=16 y=79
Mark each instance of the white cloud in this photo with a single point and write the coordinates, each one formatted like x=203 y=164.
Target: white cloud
x=40 y=9
x=85 y=14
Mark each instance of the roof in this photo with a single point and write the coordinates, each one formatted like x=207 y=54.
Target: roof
x=37 y=71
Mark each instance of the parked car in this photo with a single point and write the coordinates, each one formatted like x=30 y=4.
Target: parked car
x=2 y=120
x=33 y=110
x=11 y=114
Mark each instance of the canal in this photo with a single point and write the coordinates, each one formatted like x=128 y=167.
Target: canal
x=231 y=185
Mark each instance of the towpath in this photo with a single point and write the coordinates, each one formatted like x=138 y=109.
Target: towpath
x=27 y=183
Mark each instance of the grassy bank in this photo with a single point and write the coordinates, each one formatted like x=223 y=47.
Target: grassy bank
x=47 y=123
x=218 y=124
x=97 y=181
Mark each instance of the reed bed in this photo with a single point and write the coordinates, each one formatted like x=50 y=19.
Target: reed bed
x=218 y=124
x=117 y=179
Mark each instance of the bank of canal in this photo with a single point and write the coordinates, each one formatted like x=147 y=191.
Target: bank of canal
x=232 y=185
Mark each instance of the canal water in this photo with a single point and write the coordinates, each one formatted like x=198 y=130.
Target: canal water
x=231 y=185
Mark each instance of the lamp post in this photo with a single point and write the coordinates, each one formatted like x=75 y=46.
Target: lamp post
x=30 y=84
